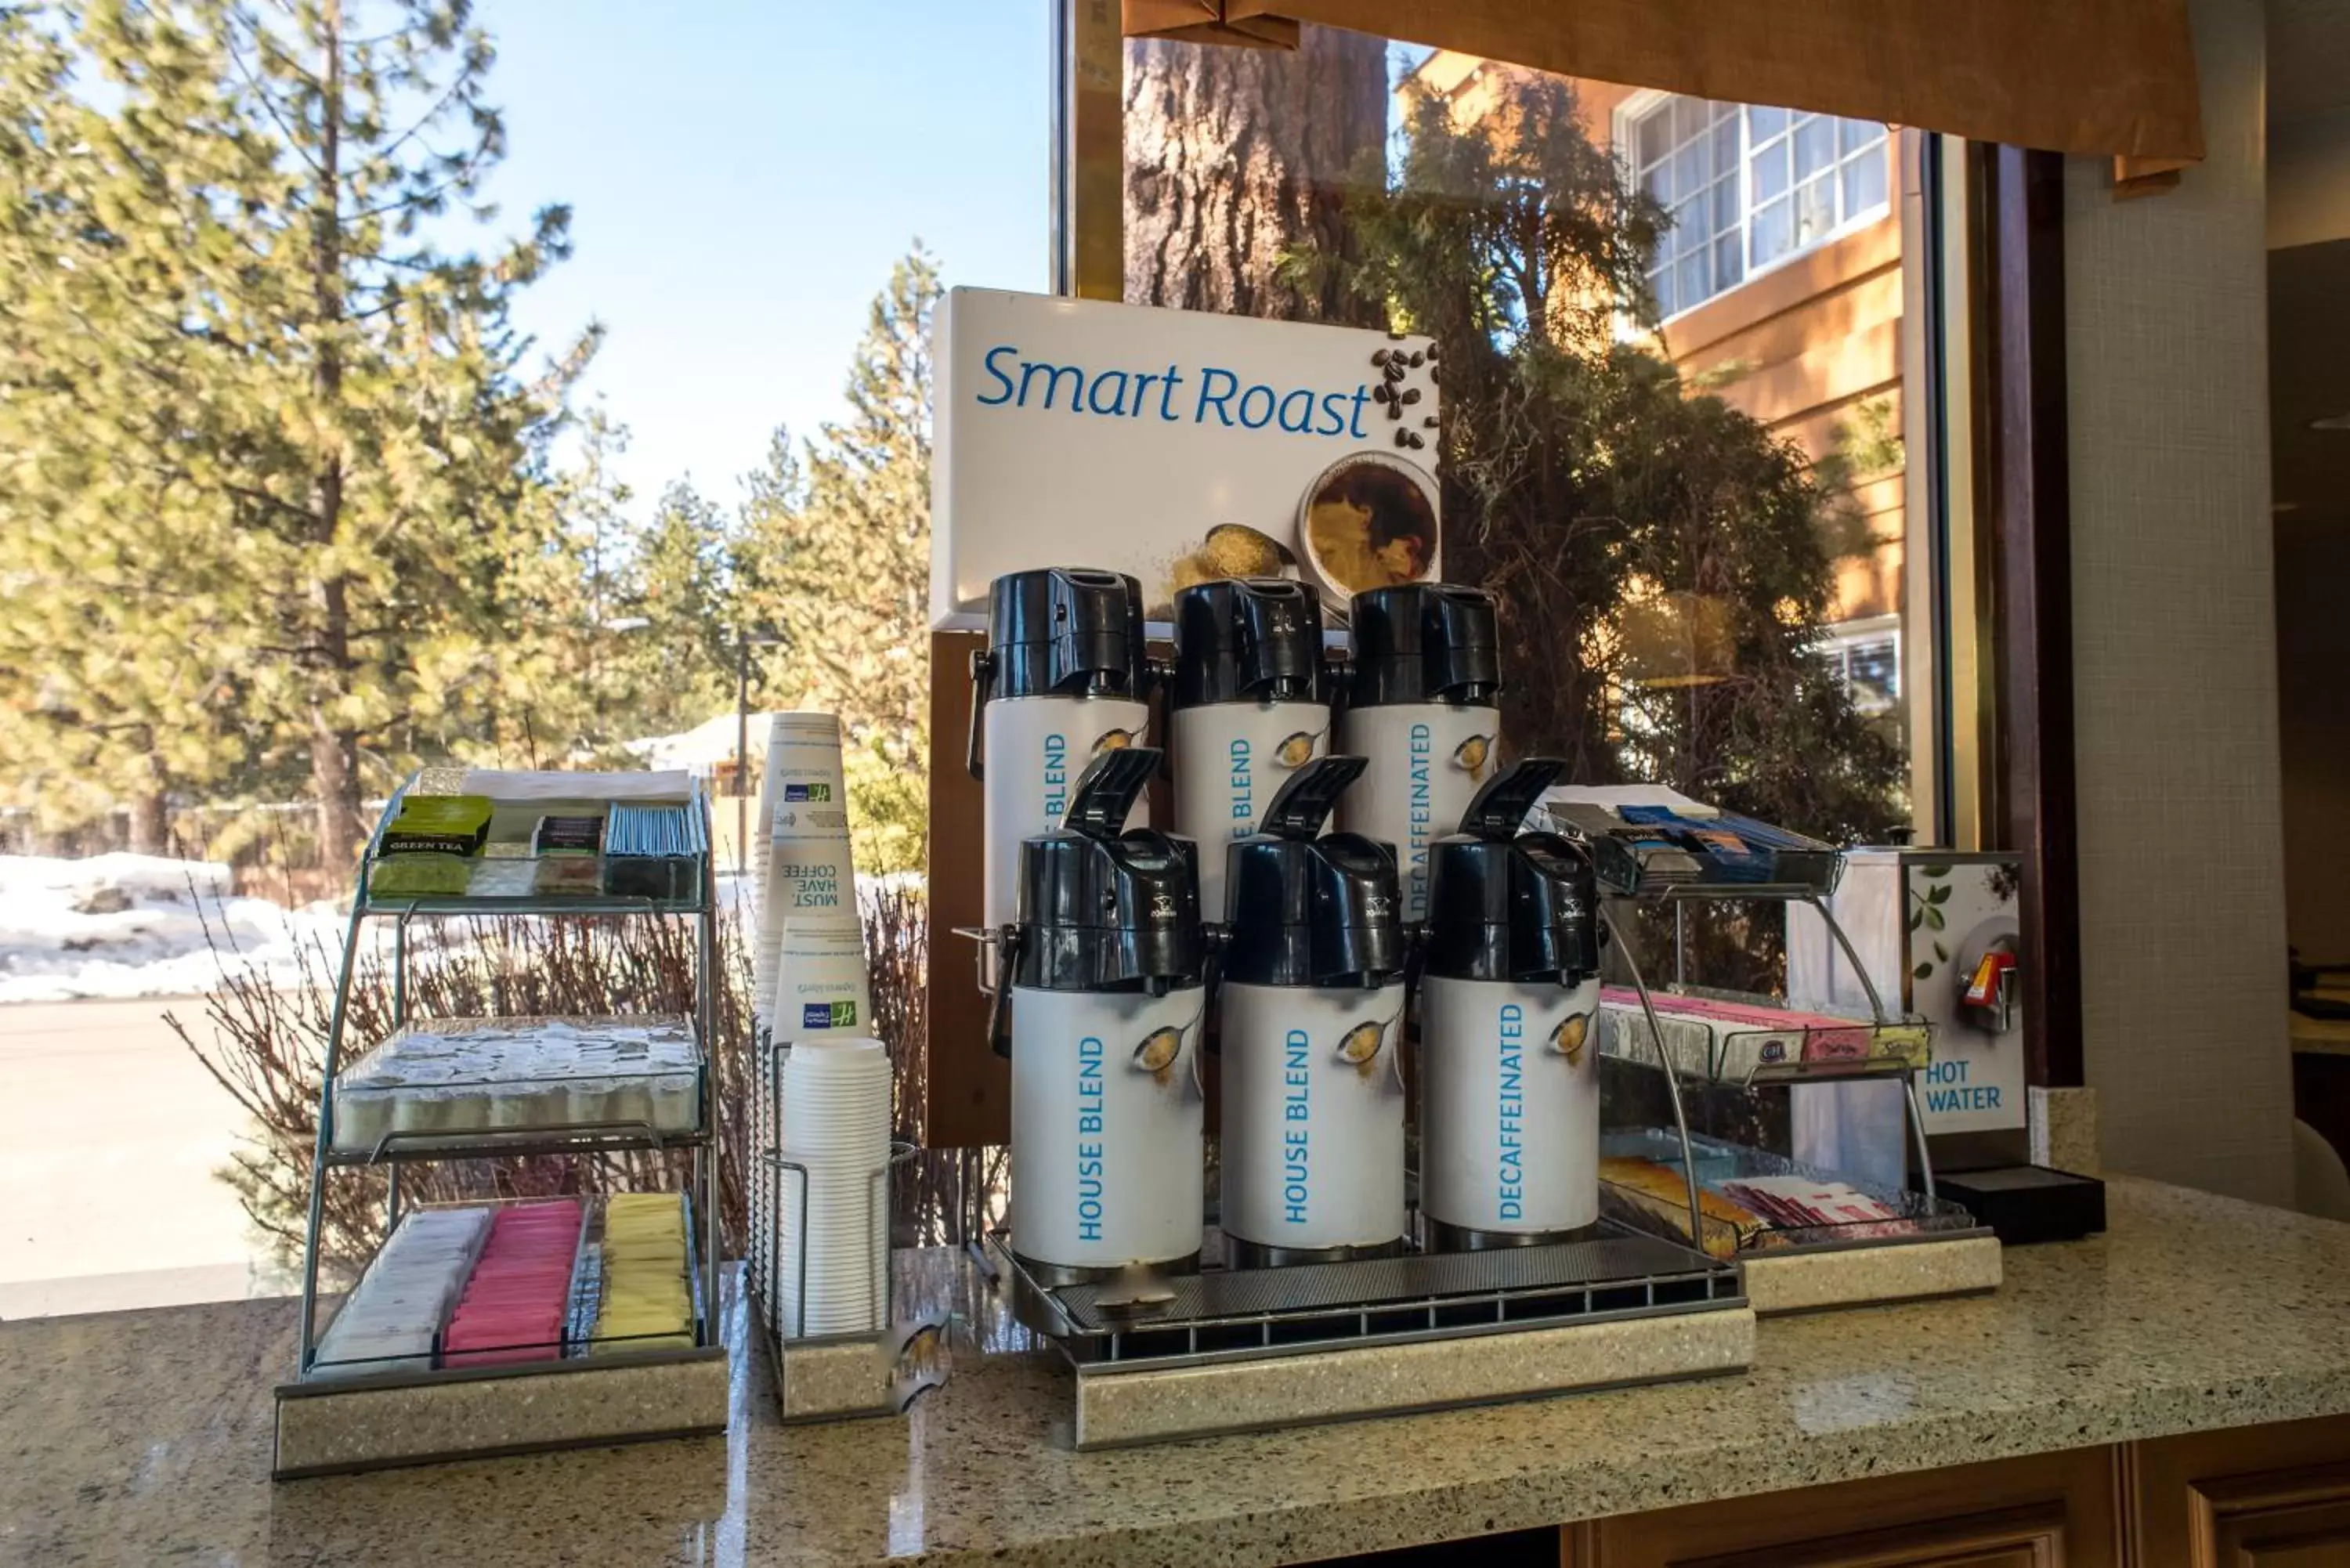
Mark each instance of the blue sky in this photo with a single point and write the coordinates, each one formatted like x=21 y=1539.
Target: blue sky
x=743 y=172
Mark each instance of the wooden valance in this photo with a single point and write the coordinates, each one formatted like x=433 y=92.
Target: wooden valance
x=2098 y=78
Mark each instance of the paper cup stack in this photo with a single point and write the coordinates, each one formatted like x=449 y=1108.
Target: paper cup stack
x=812 y=990
x=837 y=1124
x=812 y=939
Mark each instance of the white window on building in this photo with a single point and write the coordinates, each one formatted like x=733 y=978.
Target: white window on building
x=1747 y=187
x=1866 y=657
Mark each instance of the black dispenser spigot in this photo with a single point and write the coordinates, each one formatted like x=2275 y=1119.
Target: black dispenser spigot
x=1102 y=906
x=1302 y=909
x=1425 y=643
x=1248 y=640
x=1511 y=906
x=1105 y=792
x=1499 y=808
x=1306 y=800
x=1057 y=631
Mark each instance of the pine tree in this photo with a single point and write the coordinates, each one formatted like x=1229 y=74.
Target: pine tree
x=679 y=666
x=273 y=459
x=837 y=556
x=116 y=679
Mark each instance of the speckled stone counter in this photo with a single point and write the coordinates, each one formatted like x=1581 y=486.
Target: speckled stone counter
x=143 y=1437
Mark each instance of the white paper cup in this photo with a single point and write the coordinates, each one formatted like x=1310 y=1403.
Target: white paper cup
x=811 y=878
x=822 y=991
x=811 y=799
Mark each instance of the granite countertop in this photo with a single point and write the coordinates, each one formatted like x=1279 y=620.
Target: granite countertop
x=144 y=1437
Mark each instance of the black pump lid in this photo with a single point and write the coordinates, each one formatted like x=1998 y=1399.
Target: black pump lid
x=1425 y=643
x=1303 y=911
x=1065 y=631
x=1505 y=905
x=1248 y=640
x=1100 y=909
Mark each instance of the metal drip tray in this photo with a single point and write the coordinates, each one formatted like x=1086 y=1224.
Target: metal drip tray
x=1220 y=1315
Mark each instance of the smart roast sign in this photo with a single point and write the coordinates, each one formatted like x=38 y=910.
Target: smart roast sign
x=1177 y=447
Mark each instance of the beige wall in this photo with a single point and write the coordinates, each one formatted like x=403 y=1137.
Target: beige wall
x=2182 y=914
x=1801 y=346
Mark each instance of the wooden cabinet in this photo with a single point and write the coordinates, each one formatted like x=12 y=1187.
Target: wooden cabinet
x=2055 y=1510
x=2251 y=1497
x=2257 y=1497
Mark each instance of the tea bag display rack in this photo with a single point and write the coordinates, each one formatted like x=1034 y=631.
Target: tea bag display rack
x=406 y=1416
x=1900 y=1047
x=1930 y=1247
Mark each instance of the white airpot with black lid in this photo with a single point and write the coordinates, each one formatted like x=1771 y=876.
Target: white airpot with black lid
x=1422 y=706
x=1311 y=1004
x=1509 y=1037
x=1103 y=972
x=1063 y=679
x=1249 y=706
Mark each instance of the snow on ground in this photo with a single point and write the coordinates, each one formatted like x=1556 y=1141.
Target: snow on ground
x=134 y=925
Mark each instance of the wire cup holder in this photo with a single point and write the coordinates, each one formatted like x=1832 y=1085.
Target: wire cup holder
x=837 y=1375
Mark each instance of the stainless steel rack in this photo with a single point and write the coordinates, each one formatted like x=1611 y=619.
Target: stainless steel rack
x=1238 y=1314
x=1902 y=1068
x=1156 y=1358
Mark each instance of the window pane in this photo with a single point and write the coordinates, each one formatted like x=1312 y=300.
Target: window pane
x=1727 y=268
x=1852 y=135
x=1711 y=647
x=1689 y=279
x=1873 y=669
x=1656 y=135
x=1689 y=118
x=1815 y=210
x=1814 y=146
x=1863 y=184
x=1773 y=230
x=1689 y=172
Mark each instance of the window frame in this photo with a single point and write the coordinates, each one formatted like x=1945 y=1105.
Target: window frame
x=1623 y=132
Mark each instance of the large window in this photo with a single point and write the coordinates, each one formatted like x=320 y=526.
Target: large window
x=1747 y=186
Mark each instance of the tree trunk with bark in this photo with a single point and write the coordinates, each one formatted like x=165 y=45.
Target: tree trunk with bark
x=334 y=747
x=1236 y=156
x=150 y=821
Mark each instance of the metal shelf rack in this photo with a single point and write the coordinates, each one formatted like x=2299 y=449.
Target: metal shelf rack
x=401 y=1147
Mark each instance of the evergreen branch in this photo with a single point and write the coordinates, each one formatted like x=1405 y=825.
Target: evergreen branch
x=463 y=82
x=293 y=140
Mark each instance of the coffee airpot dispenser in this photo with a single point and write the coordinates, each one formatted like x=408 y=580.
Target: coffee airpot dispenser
x=1311 y=1006
x=1063 y=679
x=1249 y=706
x=1509 y=1033
x=1421 y=706
x=1104 y=971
